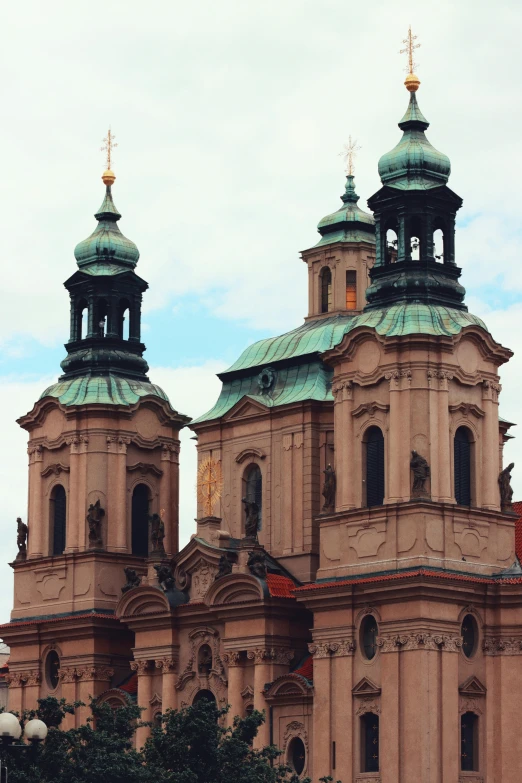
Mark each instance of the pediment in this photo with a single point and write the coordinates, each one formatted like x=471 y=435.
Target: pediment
x=140 y=601
x=366 y=687
x=244 y=409
x=288 y=687
x=472 y=687
x=236 y=588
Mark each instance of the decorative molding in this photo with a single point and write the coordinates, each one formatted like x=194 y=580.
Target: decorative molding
x=369 y=704
x=247 y=693
x=55 y=468
x=232 y=658
x=442 y=376
x=371 y=779
x=287 y=442
x=337 y=648
x=502 y=646
x=198 y=637
x=469 y=779
x=142 y=667
x=279 y=655
x=68 y=674
x=366 y=687
x=295 y=729
x=419 y=641
x=472 y=687
x=467 y=408
x=321 y=650
x=490 y=390
x=167 y=665
x=144 y=468
x=395 y=376
x=370 y=408
x=343 y=389
x=249 y=453
x=471 y=704
x=95 y=673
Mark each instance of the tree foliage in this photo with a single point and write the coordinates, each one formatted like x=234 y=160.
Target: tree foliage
x=191 y=745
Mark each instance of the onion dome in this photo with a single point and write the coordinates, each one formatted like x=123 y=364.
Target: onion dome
x=349 y=223
x=414 y=164
x=106 y=245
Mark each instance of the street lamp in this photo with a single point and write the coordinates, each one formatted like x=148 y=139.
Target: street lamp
x=10 y=730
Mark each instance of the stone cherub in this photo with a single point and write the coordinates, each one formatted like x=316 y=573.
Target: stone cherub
x=224 y=567
x=21 y=539
x=165 y=577
x=257 y=564
x=329 y=489
x=157 y=534
x=94 y=518
x=421 y=473
x=251 y=518
x=133 y=579
x=506 y=491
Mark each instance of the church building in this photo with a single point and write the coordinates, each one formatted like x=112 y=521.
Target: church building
x=353 y=572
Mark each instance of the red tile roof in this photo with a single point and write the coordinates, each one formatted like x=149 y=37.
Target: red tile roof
x=517 y=508
x=280 y=586
x=131 y=686
x=306 y=669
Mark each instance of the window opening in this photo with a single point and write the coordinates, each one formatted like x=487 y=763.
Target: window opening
x=351 y=289
x=374 y=467
x=297 y=755
x=462 y=467
x=59 y=519
x=369 y=742
x=438 y=245
x=468 y=631
x=254 y=492
x=140 y=521
x=204 y=695
x=469 y=742
x=52 y=669
x=369 y=634
x=391 y=246
x=326 y=290
x=204 y=660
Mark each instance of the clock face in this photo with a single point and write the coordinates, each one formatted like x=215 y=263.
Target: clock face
x=210 y=484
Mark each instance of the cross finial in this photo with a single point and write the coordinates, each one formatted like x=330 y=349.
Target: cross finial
x=349 y=153
x=409 y=49
x=108 y=146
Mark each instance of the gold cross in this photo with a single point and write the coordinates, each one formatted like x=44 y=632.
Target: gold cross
x=108 y=146
x=349 y=153
x=410 y=46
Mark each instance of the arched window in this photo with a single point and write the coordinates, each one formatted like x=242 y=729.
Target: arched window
x=58 y=516
x=253 y=489
x=140 y=520
x=374 y=443
x=469 y=633
x=102 y=309
x=351 y=289
x=82 y=319
x=326 y=290
x=415 y=238
x=369 y=634
x=462 y=466
x=204 y=695
x=123 y=319
x=438 y=245
x=391 y=243
x=296 y=755
x=52 y=669
x=469 y=742
x=369 y=742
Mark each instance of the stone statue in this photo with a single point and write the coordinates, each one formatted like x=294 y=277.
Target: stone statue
x=133 y=580
x=165 y=577
x=421 y=473
x=257 y=564
x=506 y=492
x=94 y=518
x=329 y=489
x=251 y=518
x=21 y=539
x=224 y=568
x=157 y=534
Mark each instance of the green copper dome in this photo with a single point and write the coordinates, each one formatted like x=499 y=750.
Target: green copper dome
x=106 y=246
x=102 y=390
x=414 y=164
x=349 y=223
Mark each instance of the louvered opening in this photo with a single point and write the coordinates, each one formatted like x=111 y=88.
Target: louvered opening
x=254 y=488
x=140 y=521
x=326 y=290
x=351 y=290
x=462 y=466
x=59 y=516
x=374 y=467
x=370 y=742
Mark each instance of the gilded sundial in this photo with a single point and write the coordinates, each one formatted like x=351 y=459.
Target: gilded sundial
x=210 y=484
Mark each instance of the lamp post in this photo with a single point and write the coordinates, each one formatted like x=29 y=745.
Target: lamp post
x=35 y=731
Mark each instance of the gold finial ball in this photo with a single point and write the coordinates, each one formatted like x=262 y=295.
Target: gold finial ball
x=412 y=82
x=108 y=177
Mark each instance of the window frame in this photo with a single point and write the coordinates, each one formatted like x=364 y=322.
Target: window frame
x=367 y=765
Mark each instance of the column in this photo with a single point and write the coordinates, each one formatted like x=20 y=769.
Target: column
x=68 y=678
x=342 y=709
x=31 y=690
x=15 y=703
x=390 y=710
x=169 y=695
x=403 y=449
x=92 y=681
x=262 y=675
x=144 y=696
x=235 y=685
x=287 y=489
x=490 y=491
x=120 y=522
x=35 y=518
x=75 y=500
x=392 y=468
x=165 y=499
x=322 y=736
x=344 y=444
x=450 y=727
x=79 y=533
x=174 y=497
x=297 y=488
x=433 y=433
x=445 y=444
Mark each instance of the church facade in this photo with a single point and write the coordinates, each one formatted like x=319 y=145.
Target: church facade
x=353 y=572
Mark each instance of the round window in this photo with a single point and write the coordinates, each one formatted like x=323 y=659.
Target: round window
x=297 y=755
x=369 y=633
x=469 y=633
x=52 y=669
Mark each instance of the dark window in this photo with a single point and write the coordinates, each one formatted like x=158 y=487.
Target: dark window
x=123 y=319
x=249 y=710
x=468 y=631
x=374 y=467
x=204 y=695
x=297 y=755
x=469 y=742
x=369 y=742
x=351 y=290
x=326 y=290
x=102 y=310
x=204 y=660
x=58 y=516
x=81 y=321
x=254 y=488
x=462 y=466
x=52 y=669
x=369 y=633
x=140 y=521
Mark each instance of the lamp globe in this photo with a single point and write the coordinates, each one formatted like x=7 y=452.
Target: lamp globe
x=35 y=730
x=10 y=728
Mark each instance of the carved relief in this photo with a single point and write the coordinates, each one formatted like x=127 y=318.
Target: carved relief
x=395 y=377
x=55 y=468
x=342 y=390
x=95 y=673
x=370 y=408
x=145 y=467
x=142 y=667
x=232 y=657
x=202 y=577
x=369 y=704
x=490 y=390
x=502 y=646
x=295 y=729
x=277 y=654
x=439 y=379
x=166 y=665
x=216 y=674
x=418 y=641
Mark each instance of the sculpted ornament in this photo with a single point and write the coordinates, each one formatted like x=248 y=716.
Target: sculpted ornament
x=329 y=489
x=142 y=667
x=232 y=658
x=21 y=539
x=257 y=564
x=94 y=518
x=133 y=580
x=166 y=665
x=295 y=729
x=421 y=473
x=368 y=705
x=506 y=491
x=499 y=646
x=202 y=578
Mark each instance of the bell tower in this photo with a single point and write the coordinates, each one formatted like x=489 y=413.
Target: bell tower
x=103 y=482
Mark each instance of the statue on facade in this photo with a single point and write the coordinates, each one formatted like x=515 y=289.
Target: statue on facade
x=165 y=578
x=133 y=580
x=95 y=515
x=329 y=489
x=506 y=491
x=157 y=534
x=21 y=539
x=251 y=518
x=257 y=564
x=224 y=567
x=421 y=473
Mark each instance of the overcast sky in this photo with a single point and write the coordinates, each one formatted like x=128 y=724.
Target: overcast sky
x=229 y=118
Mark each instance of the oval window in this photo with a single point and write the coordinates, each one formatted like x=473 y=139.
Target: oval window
x=469 y=633
x=52 y=669
x=369 y=633
x=297 y=755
